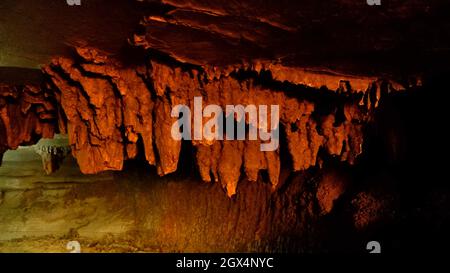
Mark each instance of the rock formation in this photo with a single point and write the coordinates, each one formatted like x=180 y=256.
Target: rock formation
x=110 y=108
x=27 y=113
x=111 y=72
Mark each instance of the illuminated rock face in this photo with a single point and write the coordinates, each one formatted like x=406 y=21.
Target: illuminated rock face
x=26 y=114
x=329 y=68
x=229 y=53
x=110 y=110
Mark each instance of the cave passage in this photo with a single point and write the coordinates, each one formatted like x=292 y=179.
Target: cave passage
x=354 y=95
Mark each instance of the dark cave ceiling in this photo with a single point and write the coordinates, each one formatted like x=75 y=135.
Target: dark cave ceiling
x=397 y=38
x=34 y=31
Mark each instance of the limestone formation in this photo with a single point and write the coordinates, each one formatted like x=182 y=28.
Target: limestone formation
x=27 y=113
x=111 y=110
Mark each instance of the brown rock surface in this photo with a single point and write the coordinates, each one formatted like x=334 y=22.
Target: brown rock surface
x=341 y=39
x=111 y=88
x=26 y=114
x=110 y=108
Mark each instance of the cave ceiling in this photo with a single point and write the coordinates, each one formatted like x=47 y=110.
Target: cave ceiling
x=342 y=36
x=32 y=32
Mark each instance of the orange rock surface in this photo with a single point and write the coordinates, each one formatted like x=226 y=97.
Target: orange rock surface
x=110 y=109
x=26 y=115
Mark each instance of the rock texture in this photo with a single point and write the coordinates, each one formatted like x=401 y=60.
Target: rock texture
x=111 y=109
x=27 y=114
x=128 y=212
x=337 y=37
x=114 y=107
x=332 y=68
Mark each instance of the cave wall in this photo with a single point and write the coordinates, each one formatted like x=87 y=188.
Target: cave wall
x=283 y=196
x=136 y=210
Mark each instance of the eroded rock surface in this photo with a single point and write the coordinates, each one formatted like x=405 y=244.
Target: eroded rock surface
x=111 y=109
x=27 y=113
x=329 y=67
x=337 y=37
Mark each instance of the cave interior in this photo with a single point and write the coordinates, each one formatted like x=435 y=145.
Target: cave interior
x=86 y=94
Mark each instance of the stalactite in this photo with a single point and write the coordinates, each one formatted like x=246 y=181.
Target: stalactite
x=26 y=114
x=109 y=109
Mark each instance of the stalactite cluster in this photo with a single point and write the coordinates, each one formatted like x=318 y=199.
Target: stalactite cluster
x=111 y=109
x=27 y=113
